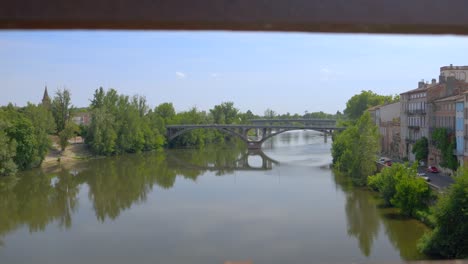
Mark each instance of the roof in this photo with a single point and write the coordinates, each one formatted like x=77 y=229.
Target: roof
x=450 y=98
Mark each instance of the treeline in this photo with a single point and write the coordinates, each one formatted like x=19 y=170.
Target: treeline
x=24 y=140
x=354 y=152
x=119 y=124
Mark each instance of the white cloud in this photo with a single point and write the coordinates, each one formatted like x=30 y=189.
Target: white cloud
x=214 y=75
x=180 y=75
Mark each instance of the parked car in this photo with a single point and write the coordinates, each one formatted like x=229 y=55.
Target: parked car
x=388 y=163
x=432 y=169
x=424 y=176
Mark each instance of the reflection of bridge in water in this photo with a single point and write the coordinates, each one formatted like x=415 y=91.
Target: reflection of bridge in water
x=239 y=164
x=263 y=129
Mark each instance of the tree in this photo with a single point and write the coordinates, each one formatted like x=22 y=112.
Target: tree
x=70 y=130
x=449 y=238
x=61 y=108
x=357 y=104
x=354 y=149
x=224 y=113
x=412 y=194
x=446 y=144
x=7 y=152
x=270 y=113
x=43 y=125
x=420 y=149
x=166 y=111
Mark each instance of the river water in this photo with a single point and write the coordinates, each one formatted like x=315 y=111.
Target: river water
x=282 y=205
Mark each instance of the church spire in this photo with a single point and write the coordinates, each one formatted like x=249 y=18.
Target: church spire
x=46 y=98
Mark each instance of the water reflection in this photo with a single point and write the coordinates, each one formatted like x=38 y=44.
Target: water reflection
x=33 y=200
x=37 y=198
x=255 y=216
x=365 y=216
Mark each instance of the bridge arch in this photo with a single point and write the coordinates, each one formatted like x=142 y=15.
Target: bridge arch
x=240 y=131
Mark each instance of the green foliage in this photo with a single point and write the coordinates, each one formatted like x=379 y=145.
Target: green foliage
x=399 y=186
x=44 y=125
x=121 y=124
x=354 y=149
x=67 y=133
x=24 y=137
x=421 y=149
x=7 y=153
x=449 y=239
x=61 y=108
x=356 y=106
x=225 y=113
x=386 y=181
x=445 y=142
x=412 y=194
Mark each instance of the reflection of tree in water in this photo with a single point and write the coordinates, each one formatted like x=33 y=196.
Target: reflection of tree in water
x=35 y=198
x=362 y=215
x=403 y=236
x=117 y=183
x=32 y=200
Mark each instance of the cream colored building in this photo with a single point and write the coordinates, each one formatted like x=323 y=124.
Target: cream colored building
x=459 y=72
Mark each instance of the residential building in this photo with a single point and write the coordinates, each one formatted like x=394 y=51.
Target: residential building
x=82 y=118
x=413 y=118
x=387 y=119
x=459 y=72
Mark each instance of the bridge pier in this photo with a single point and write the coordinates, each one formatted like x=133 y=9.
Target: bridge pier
x=254 y=145
x=325 y=137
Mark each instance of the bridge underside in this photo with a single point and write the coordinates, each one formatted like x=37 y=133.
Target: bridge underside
x=252 y=135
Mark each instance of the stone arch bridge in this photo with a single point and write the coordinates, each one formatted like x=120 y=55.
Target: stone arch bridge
x=263 y=128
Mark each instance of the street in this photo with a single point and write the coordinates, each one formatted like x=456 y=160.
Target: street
x=438 y=179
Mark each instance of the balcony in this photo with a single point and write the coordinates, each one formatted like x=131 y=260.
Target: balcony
x=417 y=127
x=416 y=112
x=410 y=141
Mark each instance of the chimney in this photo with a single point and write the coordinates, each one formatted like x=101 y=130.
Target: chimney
x=421 y=84
x=433 y=81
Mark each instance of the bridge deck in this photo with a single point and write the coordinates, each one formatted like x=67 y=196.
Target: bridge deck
x=257 y=126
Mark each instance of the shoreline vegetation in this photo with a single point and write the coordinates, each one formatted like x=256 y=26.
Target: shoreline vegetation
x=354 y=151
x=36 y=135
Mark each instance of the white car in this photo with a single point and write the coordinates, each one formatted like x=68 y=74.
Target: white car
x=424 y=176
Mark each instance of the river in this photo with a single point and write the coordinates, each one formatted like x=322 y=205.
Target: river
x=282 y=205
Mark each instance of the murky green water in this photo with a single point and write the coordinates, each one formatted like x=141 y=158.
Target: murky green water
x=201 y=206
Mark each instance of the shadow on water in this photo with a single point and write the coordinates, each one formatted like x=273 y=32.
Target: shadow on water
x=366 y=217
x=36 y=198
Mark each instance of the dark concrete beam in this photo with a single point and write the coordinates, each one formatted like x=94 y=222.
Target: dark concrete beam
x=366 y=16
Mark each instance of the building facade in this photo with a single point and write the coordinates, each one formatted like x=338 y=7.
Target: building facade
x=387 y=119
x=413 y=118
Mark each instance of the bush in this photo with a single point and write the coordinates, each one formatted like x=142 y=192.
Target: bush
x=450 y=237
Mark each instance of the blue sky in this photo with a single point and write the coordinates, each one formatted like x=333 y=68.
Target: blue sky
x=286 y=72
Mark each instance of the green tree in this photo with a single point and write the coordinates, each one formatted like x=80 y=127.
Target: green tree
x=386 y=181
x=61 y=108
x=449 y=238
x=270 y=113
x=357 y=104
x=21 y=130
x=66 y=134
x=43 y=125
x=420 y=149
x=445 y=142
x=412 y=194
x=166 y=111
x=225 y=113
x=7 y=153
x=354 y=149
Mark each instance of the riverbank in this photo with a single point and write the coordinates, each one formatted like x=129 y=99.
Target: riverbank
x=77 y=151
